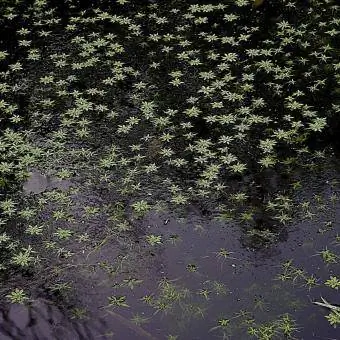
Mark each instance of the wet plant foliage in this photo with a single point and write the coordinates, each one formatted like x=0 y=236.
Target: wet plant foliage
x=169 y=169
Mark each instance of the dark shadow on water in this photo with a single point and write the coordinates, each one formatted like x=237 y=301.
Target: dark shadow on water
x=43 y=320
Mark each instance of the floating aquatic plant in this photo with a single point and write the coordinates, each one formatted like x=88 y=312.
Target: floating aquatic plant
x=131 y=108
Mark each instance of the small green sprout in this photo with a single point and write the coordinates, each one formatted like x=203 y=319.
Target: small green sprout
x=223 y=253
x=132 y=283
x=24 y=258
x=63 y=234
x=205 y=293
x=3 y=55
x=328 y=256
x=17 y=296
x=191 y=267
x=172 y=337
x=333 y=282
x=60 y=287
x=154 y=239
x=333 y=318
x=287 y=325
x=118 y=301
x=8 y=207
x=223 y=323
x=79 y=313
x=311 y=281
x=141 y=207
x=139 y=319
x=34 y=230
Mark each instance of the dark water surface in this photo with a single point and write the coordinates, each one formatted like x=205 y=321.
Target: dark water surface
x=125 y=192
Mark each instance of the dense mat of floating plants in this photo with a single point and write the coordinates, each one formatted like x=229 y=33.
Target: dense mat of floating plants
x=112 y=110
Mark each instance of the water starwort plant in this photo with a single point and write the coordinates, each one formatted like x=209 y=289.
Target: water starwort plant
x=159 y=157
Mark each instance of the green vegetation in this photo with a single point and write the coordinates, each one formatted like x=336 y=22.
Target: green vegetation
x=159 y=158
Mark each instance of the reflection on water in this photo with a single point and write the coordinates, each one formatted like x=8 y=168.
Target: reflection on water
x=43 y=320
x=199 y=273
x=38 y=183
x=205 y=275
x=119 y=265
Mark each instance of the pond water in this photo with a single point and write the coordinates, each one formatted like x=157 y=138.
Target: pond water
x=169 y=170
